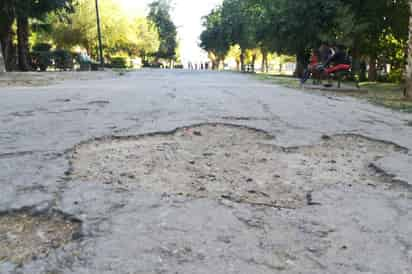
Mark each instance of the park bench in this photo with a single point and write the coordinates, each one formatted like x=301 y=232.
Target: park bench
x=340 y=75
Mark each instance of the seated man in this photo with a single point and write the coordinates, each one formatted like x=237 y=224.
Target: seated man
x=339 y=61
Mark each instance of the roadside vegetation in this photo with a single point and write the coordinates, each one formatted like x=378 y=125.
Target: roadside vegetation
x=57 y=34
x=390 y=95
x=374 y=32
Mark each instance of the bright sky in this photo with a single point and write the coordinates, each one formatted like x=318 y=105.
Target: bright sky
x=187 y=17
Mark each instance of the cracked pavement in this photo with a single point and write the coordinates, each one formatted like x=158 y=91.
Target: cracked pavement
x=352 y=227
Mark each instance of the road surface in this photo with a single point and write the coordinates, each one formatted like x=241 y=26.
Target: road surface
x=223 y=174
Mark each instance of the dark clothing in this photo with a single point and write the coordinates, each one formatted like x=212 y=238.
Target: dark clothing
x=340 y=57
x=324 y=54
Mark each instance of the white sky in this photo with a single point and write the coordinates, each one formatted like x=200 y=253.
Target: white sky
x=187 y=17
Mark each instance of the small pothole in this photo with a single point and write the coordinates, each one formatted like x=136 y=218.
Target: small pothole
x=27 y=236
x=218 y=160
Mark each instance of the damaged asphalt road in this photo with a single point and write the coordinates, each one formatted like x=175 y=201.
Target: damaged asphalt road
x=200 y=172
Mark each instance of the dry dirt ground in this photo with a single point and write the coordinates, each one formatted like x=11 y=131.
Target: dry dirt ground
x=198 y=172
x=29 y=79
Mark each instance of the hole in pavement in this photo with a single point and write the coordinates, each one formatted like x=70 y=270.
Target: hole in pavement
x=233 y=162
x=27 y=236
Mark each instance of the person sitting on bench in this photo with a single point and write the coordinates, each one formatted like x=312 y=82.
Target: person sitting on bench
x=339 y=61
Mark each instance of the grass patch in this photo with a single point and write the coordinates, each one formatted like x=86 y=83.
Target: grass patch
x=389 y=95
x=283 y=80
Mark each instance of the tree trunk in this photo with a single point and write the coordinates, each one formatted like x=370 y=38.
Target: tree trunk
x=2 y=65
x=264 y=60
x=301 y=63
x=356 y=59
x=218 y=62
x=262 y=69
x=9 y=51
x=253 y=62
x=23 y=42
x=242 y=60
x=362 y=71
x=372 y=74
x=408 y=90
x=6 y=35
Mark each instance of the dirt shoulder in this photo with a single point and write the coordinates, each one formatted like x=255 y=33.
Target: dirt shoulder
x=30 y=79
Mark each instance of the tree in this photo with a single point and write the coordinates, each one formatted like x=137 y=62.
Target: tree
x=80 y=29
x=7 y=17
x=372 y=29
x=22 y=11
x=2 y=66
x=26 y=9
x=408 y=92
x=160 y=15
x=215 y=39
x=145 y=39
x=238 y=15
x=298 y=33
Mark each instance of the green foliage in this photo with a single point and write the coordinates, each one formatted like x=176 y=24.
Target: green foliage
x=41 y=57
x=160 y=15
x=39 y=9
x=63 y=59
x=396 y=76
x=42 y=47
x=121 y=34
x=41 y=60
x=373 y=30
x=119 y=62
x=145 y=38
x=215 y=38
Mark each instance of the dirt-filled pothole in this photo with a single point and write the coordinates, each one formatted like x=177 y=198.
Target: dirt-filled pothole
x=25 y=236
x=239 y=163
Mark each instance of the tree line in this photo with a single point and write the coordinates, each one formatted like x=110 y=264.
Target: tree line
x=374 y=31
x=71 y=24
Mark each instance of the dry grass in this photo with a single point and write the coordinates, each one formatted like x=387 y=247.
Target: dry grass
x=389 y=95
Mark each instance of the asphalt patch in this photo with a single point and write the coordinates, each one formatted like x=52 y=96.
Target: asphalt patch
x=230 y=162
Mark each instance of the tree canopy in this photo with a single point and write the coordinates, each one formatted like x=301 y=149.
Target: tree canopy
x=374 y=31
x=69 y=24
x=160 y=15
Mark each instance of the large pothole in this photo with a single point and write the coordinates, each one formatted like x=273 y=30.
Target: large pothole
x=25 y=236
x=216 y=160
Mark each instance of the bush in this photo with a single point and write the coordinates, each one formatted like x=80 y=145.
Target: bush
x=395 y=76
x=119 y=62
x=63 y=59
x=41 y=57
x=41 y=60
x=42 y=47
x=152 y=64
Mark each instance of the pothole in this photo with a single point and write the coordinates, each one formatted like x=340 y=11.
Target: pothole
x=27 y=236
x=217 y=160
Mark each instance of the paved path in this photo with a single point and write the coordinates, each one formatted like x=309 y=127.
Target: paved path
x=357 y=228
